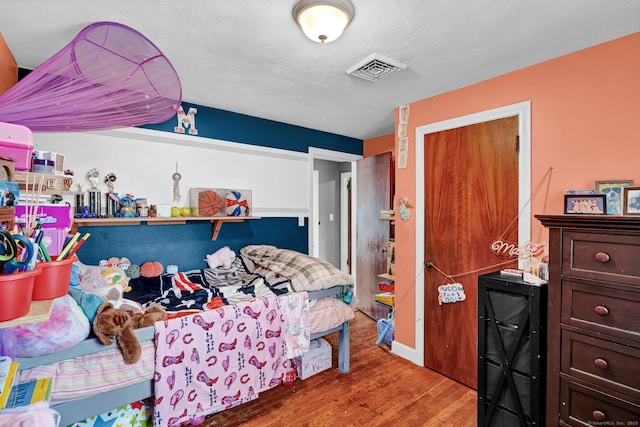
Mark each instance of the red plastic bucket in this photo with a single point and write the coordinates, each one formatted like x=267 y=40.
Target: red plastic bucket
x=16 y=294
x=54 y=280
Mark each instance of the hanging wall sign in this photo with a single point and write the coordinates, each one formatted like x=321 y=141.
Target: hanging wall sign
x=451 y=292
x=528 y=250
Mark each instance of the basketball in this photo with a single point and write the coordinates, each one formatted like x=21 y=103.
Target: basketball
x=209 y=203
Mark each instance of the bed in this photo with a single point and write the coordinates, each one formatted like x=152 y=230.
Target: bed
x=260 y=275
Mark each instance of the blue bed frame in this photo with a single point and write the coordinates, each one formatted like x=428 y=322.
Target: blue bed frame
x=80 y=409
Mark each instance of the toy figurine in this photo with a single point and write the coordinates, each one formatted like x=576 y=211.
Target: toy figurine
x=127 y=205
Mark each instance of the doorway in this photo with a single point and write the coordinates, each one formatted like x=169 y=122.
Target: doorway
x=330 y=232
x=523 y=111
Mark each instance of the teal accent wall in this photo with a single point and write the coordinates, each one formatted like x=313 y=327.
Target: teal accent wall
x=228 y=126
x=186 y=245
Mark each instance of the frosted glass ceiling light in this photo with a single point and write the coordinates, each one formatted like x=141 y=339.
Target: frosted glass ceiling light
x=323 y=20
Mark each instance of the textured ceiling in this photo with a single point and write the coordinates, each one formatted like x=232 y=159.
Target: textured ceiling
x=250 y=57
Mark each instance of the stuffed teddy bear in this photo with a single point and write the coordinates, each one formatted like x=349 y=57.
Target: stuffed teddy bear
x=111 y=323
x=223 y=257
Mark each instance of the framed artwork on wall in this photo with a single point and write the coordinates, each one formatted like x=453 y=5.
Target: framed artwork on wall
x=585 y=204
x=631 y=201
x=613 y=191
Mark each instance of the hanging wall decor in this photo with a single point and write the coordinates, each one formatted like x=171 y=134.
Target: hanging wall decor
x=404 y=204
x=109 y=76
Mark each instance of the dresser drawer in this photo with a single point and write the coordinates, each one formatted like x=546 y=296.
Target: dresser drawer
x=584 y=406
x=601 y=309
x=607 y=257
x=601 y=362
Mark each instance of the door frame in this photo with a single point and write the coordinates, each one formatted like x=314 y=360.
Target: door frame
x=334 y=156
x=523 y=111
x=345 y=178
x=314 y=244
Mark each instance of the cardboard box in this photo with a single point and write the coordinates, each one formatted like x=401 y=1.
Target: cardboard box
x=56 y=158
x=207 y=202
x=52 y=216
x=317 y=359
x=16 y=142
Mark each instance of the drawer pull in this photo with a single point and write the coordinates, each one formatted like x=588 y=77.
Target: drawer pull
x=601 y=310
x=598 y=415
x=602 y=257
x=601 y=364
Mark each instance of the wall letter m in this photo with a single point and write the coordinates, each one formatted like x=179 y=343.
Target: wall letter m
x=186 y=121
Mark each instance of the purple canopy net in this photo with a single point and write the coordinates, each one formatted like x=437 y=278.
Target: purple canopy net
x=108 y=76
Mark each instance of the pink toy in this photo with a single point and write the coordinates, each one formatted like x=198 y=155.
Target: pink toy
x=222 y=257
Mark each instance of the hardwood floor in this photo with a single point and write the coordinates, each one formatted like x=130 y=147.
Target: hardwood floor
x=381 y=390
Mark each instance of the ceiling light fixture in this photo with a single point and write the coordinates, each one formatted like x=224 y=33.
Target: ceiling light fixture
x=323 y=21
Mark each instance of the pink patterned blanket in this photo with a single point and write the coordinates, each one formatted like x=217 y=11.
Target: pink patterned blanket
x=218 y=359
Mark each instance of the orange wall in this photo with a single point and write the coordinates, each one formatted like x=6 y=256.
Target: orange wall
x=379 y=144
x=8 y=67
x=585 y=124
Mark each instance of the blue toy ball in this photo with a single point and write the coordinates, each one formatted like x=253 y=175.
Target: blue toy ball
x=348 y=296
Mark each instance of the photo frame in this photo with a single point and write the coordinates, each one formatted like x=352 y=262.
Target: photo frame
x=612 y=189
x=585 y=204
x=631 y=201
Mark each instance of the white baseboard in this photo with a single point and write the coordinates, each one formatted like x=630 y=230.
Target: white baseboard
x=411 y=354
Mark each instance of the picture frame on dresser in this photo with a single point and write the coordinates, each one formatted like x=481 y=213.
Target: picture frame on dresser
x=631 y=201
x=585 y=204
x=612 y=189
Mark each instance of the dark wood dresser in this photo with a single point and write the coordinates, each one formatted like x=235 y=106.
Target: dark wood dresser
x=593 y=340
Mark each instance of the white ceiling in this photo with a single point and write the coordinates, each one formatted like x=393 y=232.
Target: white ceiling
x=250 y=57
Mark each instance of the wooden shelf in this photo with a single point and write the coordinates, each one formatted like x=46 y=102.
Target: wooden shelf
x=387 y=276
x=177 y=220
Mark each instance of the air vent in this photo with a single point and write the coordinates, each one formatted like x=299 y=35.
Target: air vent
x=375 y=67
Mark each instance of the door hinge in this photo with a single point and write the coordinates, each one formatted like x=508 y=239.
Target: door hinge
x=518 y=144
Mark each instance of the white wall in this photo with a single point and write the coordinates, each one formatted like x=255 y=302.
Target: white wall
x=145 y=160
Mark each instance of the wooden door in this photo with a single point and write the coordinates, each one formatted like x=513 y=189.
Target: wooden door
x=373 y=180
x=471 y=198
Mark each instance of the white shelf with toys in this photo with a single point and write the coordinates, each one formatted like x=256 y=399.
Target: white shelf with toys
x=215 y=221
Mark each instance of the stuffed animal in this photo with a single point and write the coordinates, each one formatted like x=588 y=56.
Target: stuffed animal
x=148 y=317
x=111 y=323
x=127 y=205
x=151 y=269
x=133 y=272
x=223 y=257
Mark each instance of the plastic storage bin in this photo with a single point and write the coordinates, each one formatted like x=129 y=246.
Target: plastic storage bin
x=16 y=142
x=16 y=294
x=55 y=279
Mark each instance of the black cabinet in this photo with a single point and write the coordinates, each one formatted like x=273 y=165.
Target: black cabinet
x=511 y=351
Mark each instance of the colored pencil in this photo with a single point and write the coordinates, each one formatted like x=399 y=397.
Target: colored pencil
x=68 y=247
x=45 y=254
x=78 y=244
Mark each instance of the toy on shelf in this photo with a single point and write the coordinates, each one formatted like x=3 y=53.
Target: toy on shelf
x=127 y=205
